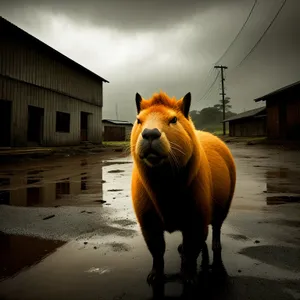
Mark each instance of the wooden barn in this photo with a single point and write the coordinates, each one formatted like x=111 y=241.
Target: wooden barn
x=248 y=123
x=283 y=112
x=116 y=130
x=46 y=98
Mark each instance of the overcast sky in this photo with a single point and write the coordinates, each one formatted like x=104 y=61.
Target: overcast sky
x=144 y=46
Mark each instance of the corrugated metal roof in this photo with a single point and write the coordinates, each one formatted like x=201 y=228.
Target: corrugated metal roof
x=117 y=122
x=4 y=22
x=246 y=114
x=287 y=87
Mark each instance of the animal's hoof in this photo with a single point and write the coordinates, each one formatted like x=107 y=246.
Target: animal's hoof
x=204 y=269
x=219 y=270
x=155 y=277
x=179 y=249
x=189 y=279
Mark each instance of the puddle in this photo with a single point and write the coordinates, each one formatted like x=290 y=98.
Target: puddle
x=99 y=271
x=276 y=200
x=238 y=237
x=280 y=256
x=282 y=186
x=116 y=171
x=80 y=183
x=18 y=253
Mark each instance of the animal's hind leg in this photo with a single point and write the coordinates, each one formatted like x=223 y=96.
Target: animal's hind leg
x=205 y=258
x=217 y=264
x=153 y=234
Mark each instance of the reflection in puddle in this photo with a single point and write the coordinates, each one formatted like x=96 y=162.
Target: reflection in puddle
x=275 y=200
x=83 y=184
x=284 y=182
x=21 y=252
x=62 y=187
x=48 y=188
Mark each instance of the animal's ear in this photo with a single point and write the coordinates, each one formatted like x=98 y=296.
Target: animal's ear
x=138 y=100
x=186 y=104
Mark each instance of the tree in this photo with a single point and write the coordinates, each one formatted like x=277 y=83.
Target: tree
x=209 y=118
x=228 y=106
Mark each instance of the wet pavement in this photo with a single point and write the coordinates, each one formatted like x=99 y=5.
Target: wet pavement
x=68 y=231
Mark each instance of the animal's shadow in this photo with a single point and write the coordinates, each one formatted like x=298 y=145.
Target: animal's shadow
x=206 y=276
x=213 y=287
x=216 y=285
x=200 y=291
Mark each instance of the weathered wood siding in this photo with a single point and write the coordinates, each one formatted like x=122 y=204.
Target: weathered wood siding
x=22 y=94
x=248 y=127
x=273 y=120
x=114 y=133
x=23 y=58
x=284 y=118
x=32 y=73
x=127 y=134
x=293 y=119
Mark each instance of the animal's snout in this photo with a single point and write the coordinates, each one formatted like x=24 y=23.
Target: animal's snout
x=151 y=134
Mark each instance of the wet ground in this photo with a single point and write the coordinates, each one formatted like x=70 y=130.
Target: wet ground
x=68 y=231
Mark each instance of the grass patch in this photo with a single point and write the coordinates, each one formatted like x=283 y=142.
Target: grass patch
x=247 y=140
x=116 y=143
x=125 y=145
x=218 y=132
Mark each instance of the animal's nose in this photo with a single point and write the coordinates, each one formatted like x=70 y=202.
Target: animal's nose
x=151 y=134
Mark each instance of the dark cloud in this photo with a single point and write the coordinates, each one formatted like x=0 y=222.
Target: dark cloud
x=207 y=29
x=135 y=15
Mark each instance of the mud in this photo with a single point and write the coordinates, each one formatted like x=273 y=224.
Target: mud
x=68 y=231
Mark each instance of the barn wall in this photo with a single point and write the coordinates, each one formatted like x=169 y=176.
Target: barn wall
x=127 y=129
x=293 y=119
x=248 y=127
x=23 y=94
x=23 y=58
x=128 y=132
x=273 y=119
x=283 y=115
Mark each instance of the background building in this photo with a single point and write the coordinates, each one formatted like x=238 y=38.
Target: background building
x=114 y=130
x=283 y=112
x=248 y=123
x=45 y=97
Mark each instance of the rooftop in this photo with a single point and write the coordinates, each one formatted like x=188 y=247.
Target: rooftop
x=276 y=92
x=117 y=122
x=246 y=114
x=6 y=25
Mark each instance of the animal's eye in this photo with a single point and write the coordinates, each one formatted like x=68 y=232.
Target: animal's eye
x=173 y=120
x=138 y=121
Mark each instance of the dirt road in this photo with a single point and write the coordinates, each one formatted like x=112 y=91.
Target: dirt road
x=68 y=231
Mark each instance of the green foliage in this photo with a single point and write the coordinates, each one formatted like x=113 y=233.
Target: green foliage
x=209 y=118
x=219 y=106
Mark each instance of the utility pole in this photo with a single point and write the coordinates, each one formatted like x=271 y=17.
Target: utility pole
x=117 y=113
x=223 y=93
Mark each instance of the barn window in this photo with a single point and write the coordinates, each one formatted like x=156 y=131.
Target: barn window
x=62 y=122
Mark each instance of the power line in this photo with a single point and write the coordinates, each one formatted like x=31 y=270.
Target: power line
x=262 y=36
x=206 y=81
x=240 y=31
x=210 y=88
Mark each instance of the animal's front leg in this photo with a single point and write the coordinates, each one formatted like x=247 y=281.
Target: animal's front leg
x=154 y=237
x=193 y=241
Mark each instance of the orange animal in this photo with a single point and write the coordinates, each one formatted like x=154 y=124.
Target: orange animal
x=182 y=180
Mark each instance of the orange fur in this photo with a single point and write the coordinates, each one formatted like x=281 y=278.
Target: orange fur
x=212 y=171
x=190 y=187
